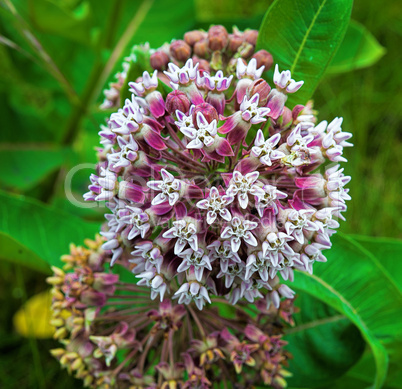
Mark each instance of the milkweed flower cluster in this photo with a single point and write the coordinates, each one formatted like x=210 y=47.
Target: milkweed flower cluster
x=113 y=336
x=212 y=182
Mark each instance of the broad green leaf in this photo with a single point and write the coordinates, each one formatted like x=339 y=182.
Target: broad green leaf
x=303 y=36
x=167 y=19
x=43 y=230
x=55 y=17
x=362 y=374
x=359 y=49
x=23 y=166
x=388 y=251
x=354 y=283
x=13 y=251
x=324 y=344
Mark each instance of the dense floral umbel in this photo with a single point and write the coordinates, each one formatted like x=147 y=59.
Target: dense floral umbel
x=114 y=337
x=217 y=188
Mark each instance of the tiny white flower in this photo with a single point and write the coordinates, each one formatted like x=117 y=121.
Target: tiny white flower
x=243 y=186
x=298 y=222
x=265 y=149
x=216 y=205
x=203 y=136
x=283 y=80
x=170 y=188
x=185 y=232
x=196 y=258
x=251 y=112
x=238 y=230
x=193 y=291
x=155 y=282
x=250 y=70
x=182 y=75
x=269 y=199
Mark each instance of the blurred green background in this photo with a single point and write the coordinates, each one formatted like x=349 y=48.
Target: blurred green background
x=57 y=56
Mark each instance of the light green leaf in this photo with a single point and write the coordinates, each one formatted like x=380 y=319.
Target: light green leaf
x=13 y=251
x=324 y=344
x=43 y=230
x=354 y=283
x=24 y=166
x=166 y=20
x=359 y=49
x=303 y=36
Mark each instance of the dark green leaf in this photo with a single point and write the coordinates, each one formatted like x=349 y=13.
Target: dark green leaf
x=303 y=37
x=359 y=49
x=324 y=344
x=58 y=18
x=362 y=375
x=354 y=283
x=23 y=167
x=43 y=230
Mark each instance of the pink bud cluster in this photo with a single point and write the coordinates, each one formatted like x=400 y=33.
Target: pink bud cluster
x=114 y=337
x=214 y=188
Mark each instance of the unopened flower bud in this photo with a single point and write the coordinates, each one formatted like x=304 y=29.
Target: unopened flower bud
x=232 y=64
x=235 y=42
x=251 y=36
x=216 y=60
x=217 y=38
x=246 y=50
x=286 y=116
x=203 y=64
x=192 y=37
x=263 y=59
x=177 y=100
x=159 y=60
x=207 y=110
x=132 y=192
x=180 y=50
x=261 y=87
x=58 y=352
x=201 y=48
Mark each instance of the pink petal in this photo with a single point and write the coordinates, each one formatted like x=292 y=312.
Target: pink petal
x=154 y=139
x=223 y=147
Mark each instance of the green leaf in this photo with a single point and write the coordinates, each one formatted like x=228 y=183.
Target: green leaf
x=324 y=344
x=359 y=49
x=43 y=230
x=55 y=17
x=388 y=251
x=13 y=251
x=24 y=166
x=166 y=20
x=303 y=36
x=354 y=283
x=361 y=375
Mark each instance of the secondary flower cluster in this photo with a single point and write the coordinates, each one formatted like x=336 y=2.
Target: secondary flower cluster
x=113 y=336
x=213 y=183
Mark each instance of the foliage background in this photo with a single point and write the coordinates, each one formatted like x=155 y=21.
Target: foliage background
x=49 y=125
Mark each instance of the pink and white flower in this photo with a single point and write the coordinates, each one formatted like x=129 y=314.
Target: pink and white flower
x=243 y=186
x=216 y=205
x=238 y=230
x=266 y=150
